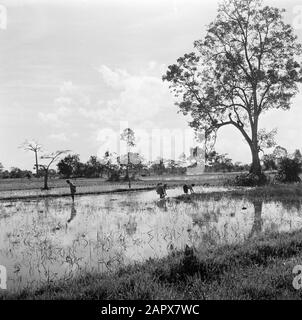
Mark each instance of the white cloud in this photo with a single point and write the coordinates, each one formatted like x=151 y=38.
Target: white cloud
x=58 y=136
x=56 y=118
x=141 y=97
x=115 y=79
x=89 y=113
x=72 y=98
x=98 y=2
x=62 y=101
x=141 y=101
x=145 y=104
x=67 y=87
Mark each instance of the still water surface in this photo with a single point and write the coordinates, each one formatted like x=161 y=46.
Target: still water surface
x=49 y=239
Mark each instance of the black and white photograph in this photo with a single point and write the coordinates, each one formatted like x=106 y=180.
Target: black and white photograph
x=150 y=150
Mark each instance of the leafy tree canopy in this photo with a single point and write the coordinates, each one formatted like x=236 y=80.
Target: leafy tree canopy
x=246 y=64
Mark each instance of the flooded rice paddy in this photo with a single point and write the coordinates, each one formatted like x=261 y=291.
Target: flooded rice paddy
x=48 y=239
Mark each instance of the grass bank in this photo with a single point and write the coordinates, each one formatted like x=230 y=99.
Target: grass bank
x=291 y=192
x=260 y=268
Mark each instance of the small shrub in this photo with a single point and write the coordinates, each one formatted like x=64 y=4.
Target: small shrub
x=289 y=170
x=114 y=176
x=133 y=177
x=250 y=180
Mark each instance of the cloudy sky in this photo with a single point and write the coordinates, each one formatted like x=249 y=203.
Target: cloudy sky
x=73 y=73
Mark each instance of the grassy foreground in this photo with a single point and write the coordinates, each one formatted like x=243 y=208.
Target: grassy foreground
x=261 y=268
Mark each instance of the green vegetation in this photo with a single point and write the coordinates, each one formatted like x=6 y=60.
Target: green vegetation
x=289 y=170
x=250 y=180
x=261 y=268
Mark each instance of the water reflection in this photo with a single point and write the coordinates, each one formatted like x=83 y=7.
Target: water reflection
x=257 y=225
x=162 y=204
x=73 y=212
x=44 y=240
x=131 y=226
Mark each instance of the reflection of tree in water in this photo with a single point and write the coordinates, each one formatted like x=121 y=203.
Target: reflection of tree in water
x=131 y=226
x=206 y=214
x=257 y=225
x=46 y=205
x=42 y=209
x=195 y=205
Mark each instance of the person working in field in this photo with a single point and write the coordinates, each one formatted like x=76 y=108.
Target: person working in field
x=73 y=189
x=161 y=190
x=165 y=189
x=188 y=187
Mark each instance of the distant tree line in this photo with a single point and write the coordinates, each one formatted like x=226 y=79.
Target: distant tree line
x=112 y=167
x=128 y=166
x=16 y=173
x=216 y=162
x=271 y=161
x=72 y=167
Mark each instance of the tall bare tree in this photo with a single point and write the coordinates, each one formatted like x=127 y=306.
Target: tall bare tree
x=128 y=136
x=51 y=157
x=246 y=65
x=34 y=147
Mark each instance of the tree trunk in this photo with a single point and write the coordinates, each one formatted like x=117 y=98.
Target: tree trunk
x=46 y=180
x=37 y=165
x=256 y=166
x=129 y=181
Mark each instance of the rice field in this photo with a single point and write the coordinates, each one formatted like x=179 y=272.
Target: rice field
x=45 y=240
x=31 y=188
